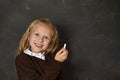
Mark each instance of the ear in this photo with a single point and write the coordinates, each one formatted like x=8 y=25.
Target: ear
x=28 y=36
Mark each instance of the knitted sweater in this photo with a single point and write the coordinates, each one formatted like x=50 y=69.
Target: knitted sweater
x=32 y=68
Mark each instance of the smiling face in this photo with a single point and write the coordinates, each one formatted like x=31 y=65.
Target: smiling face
x=40 y=37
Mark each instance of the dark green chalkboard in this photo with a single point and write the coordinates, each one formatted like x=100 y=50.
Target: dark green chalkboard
x=91 y=29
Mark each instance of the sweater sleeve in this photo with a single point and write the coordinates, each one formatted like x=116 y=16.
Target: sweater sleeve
x=27 y=72
x=55 y=70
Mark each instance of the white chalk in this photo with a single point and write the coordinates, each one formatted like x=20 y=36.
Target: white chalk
x=64 y=45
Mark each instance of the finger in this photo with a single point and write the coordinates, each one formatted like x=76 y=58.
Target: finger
x=60 y=51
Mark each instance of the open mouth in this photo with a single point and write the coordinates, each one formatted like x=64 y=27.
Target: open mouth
x=38 y=45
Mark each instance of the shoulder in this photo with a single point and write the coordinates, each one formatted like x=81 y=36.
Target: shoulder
x=49 y=56
x=21 y=58
x=50 y=59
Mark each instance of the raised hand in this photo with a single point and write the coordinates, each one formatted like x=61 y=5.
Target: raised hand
x=62 y=54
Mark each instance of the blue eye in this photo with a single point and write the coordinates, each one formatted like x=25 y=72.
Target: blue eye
x=46 y=37
x=36 y=34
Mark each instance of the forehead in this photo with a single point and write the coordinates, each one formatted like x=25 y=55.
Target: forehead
x=41 y=27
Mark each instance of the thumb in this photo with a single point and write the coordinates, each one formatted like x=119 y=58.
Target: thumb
x=60 y=51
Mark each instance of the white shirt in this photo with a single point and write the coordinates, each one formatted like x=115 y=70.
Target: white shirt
x=38 y=55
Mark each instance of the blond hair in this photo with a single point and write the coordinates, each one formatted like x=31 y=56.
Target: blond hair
x=24 y=43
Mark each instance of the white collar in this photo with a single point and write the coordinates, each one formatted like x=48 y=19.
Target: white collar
x=38 y=55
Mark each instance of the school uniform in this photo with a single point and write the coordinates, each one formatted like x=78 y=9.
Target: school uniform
x=30 y=66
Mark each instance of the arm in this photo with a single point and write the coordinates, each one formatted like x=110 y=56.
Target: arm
x=26 y=71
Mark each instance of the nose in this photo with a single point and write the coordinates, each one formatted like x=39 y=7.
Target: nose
x=40 y=39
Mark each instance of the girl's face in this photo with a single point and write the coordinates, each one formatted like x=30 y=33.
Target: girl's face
x=40 y=37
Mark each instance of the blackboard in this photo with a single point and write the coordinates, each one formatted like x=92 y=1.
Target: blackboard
x=91 y=29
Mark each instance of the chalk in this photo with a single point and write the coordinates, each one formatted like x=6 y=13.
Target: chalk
x=64 y=45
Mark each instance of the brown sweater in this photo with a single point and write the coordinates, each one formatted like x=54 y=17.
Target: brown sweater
x=32 y=68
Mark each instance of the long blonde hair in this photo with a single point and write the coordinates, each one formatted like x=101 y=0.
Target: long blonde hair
x=24 y=43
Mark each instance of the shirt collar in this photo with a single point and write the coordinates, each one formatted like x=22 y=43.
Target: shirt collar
x=38 y=55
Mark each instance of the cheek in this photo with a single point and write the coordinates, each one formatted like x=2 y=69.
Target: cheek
x=30 y=40
x=47 y=43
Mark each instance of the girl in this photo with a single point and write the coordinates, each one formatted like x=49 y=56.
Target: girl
x=37 y=59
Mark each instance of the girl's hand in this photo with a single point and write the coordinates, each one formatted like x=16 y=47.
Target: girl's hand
x=61 y=55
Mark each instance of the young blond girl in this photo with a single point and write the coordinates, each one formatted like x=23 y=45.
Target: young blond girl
x=37 y=59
